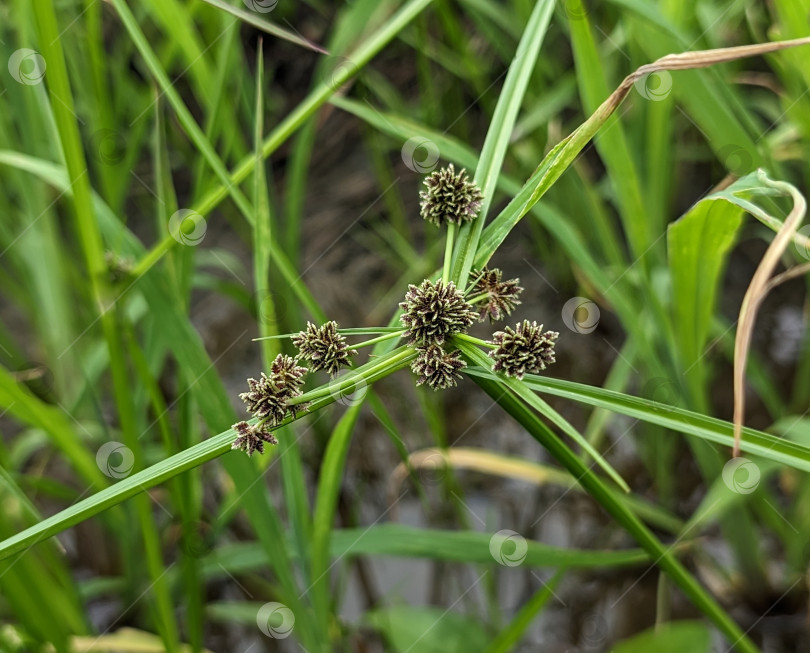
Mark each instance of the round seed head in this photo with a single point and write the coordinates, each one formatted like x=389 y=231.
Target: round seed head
x=323 y=347
x=267 y=397
x=251 y=438
x=524 y=349
x=450 y=197
x=436 y=367
x=501 y=296
x=434 y=312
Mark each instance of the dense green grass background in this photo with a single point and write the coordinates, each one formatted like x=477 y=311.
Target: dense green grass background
x=178 y=177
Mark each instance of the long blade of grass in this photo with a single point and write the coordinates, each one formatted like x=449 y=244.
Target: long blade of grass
x=525 y=393
x=684 y=421
x=661 y=554
x=499 y=133
x=265 y=25
x=562 y=155
x=192 y=457
x=317 y=97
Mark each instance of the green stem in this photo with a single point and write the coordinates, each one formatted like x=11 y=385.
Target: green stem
x=477 y=299
x=662 y=555
x=374 y=341
x=387 y=364
x=448 y=252
x=475 y=341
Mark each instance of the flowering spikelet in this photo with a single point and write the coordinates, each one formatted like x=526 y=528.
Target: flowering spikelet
x=323 y=347
x=501 y=296
x=433 y=312
x=523 y=349
x=267 y=398
x=252 y=438
x=450 y=197
x=436 y=367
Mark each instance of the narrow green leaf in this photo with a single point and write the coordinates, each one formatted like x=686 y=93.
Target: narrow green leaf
x=499 y=133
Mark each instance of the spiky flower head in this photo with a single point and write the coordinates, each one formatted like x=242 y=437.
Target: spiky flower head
x=323 y=347
x=501 y=297
x=267 y=398
x=433 y=312
x=450 y=197
x=436 y=367
x=526 y=348
x=251 y=438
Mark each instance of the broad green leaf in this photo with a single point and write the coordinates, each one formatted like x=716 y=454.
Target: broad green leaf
x=699 y=244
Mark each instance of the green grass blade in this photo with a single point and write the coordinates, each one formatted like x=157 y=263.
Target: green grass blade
x=193 y=456
x=715 y=430
x=329 y=483
x=473 y=353
x=319 y=96
x=662 y=555
x=499 y=133
x=264 y=25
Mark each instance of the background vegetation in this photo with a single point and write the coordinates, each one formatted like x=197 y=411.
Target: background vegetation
x=179 y=177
